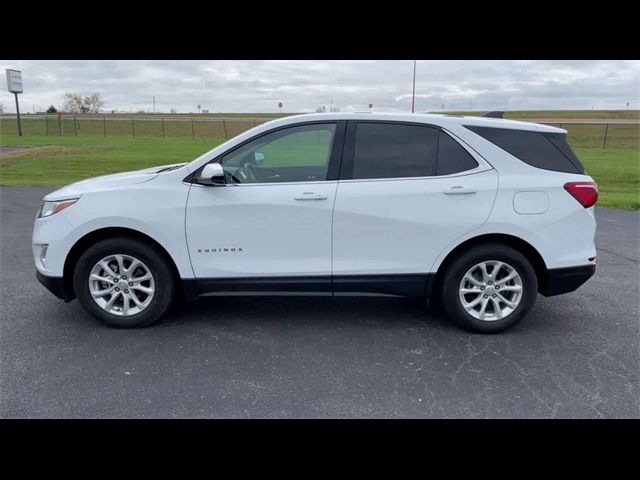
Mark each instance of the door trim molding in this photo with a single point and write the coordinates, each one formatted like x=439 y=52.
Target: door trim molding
x=397 y=285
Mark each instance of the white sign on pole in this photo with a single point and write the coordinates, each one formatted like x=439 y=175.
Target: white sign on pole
x=14 y=81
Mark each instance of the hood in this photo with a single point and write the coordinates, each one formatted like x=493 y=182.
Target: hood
x=106 y=182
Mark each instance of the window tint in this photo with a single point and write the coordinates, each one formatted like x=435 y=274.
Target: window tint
x=452 y=157
x=534 y=148
x=561 y=143
x=296 y=154
x=385 y=150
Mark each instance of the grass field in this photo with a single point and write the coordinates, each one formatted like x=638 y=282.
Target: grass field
x=62 y=160
x=59 y=160
x=563 y=114
x=138 y=127
x=617 y=172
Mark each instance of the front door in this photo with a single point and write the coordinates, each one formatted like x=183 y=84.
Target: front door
x=270 y=224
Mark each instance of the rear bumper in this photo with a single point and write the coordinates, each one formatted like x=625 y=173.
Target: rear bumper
x=56 y=285
x=565 y=280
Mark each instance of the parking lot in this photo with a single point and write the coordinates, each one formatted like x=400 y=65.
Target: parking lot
x=576 y=355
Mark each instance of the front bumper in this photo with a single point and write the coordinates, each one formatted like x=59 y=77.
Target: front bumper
x=565 y=280
x=57 y=286
x=55 y=232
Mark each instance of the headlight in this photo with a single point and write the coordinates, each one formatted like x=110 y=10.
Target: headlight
x=49 y=208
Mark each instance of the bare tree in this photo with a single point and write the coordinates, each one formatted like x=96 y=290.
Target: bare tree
x=1 y=107
x=76 y=103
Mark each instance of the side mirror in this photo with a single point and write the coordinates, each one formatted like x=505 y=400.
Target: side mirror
x=212 y=174
x=258 y=157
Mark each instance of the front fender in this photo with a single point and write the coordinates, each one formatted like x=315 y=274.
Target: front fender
x=155 y=209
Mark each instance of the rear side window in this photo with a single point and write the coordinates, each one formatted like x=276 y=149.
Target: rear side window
x=549 y=151
x=452 y=157
x=385 y=150
x=559 y=140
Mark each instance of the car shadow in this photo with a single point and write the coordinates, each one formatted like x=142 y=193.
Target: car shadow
x=319 y=311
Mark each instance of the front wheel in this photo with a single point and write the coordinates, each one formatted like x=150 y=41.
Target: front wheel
x=123 y=282
x=489 y=288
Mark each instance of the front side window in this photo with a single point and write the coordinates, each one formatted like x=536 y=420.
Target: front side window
x=386 y=150
x=296 y=154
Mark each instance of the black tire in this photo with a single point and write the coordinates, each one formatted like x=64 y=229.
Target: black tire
x=467 y=259
x=150 y=256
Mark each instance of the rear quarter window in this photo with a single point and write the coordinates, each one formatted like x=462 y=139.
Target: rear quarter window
x=452 y=157
x=549 y=151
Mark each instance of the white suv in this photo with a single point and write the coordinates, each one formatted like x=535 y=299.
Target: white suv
x=480 y=213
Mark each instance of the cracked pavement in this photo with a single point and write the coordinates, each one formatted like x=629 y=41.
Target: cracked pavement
x=574 y=356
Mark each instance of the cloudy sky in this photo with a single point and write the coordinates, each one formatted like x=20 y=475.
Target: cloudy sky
x=258 y=86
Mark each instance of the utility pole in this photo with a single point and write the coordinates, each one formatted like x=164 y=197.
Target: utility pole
x=154 y=104
x=413 y=99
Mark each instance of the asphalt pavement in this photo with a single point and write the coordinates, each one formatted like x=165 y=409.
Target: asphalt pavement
x=574 y=356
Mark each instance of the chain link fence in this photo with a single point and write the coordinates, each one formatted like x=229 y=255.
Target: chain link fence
x=133 y=126
x=601 y=135
x=581 y=134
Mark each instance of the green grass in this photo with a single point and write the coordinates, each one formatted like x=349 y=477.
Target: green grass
x=63 y=160
x=170 y=127
x=581 y=135
x=617 y=172
x=592 y=136
x=563 y=114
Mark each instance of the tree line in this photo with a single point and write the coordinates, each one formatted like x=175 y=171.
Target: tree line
x=76 y=103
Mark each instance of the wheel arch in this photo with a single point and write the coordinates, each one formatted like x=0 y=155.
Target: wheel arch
x=95 y=236
x=524 y=247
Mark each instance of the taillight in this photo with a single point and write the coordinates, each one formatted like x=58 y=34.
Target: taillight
x=584 y=192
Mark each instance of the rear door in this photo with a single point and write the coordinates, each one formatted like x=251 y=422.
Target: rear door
x=406 y=192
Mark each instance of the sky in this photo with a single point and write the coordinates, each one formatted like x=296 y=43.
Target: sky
x=302 y=86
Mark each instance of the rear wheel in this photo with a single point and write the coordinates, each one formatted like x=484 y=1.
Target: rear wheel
x=124 y=282
x=489 y=288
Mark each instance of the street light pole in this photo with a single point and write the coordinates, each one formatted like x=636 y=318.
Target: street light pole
x=413 y=98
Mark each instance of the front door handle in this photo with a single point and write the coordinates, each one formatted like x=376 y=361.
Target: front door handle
x=311 y=196
x=460 y=190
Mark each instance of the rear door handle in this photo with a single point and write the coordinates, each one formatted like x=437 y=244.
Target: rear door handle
x=460 y=190
x=311 y=196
